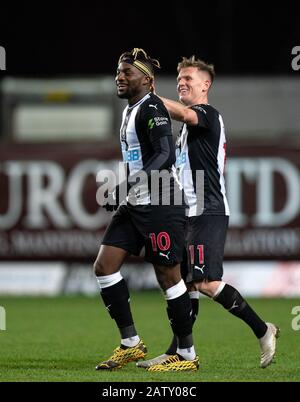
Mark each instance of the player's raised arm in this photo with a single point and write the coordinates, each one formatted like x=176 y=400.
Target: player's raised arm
x=179 y=112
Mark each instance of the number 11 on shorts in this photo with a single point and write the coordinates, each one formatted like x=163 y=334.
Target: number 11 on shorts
x=200 y=249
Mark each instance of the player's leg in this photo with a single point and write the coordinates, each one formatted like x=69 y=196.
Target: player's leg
x=163 y=228
x=194 y=297
x=211 y=241
x=179 y=313
x=234 y=303
x=172 y=349
x=114 y=291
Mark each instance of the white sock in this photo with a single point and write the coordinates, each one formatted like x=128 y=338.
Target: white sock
x=187 y=353
x=175 y=291
x=194 y=294
x=219 y=290
x=109 y=280
x=130 y=342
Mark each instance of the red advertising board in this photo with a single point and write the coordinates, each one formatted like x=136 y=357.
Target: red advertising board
x=48 y=207
x=263 y=187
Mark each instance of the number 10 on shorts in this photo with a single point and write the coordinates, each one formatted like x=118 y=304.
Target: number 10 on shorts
x=161 y=241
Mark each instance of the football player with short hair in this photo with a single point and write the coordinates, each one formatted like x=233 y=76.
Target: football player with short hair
x=201 y=146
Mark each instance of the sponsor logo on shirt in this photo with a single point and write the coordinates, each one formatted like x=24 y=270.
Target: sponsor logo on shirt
x=180 y=158
x=157 y=121
x=131 y=155
x=160 y=121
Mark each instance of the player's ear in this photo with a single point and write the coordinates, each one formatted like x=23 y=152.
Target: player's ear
x=206 y=86
x=147 y=81
x=152 y=87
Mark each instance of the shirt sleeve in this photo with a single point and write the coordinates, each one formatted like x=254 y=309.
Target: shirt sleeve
x=164 y=155
x=202 y=114
x=156 y=123
x=157 y=120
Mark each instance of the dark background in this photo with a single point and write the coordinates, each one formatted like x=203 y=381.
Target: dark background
x=86 y=38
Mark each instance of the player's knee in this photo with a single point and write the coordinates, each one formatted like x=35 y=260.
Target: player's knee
x=208 y=287
x=99 y=268
x=164 y=281
x=167 y=276
x=192 y=287
x=104 y=266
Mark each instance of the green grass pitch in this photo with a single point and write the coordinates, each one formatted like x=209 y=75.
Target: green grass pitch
x=62 y=339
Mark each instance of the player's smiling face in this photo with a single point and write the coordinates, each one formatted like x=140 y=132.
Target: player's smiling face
x=131 y=83
x=192 y=84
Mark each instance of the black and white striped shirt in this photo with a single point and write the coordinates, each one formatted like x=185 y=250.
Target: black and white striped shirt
x=147 y=145
x=202 y=147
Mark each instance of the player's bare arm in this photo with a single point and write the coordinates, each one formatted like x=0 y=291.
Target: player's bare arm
x=180 y=112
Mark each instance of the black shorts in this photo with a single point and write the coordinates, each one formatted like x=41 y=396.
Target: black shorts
x=159 y=228
x=204 y=248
